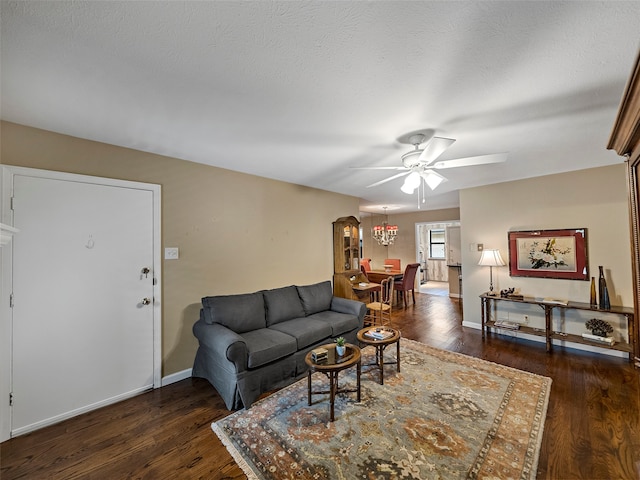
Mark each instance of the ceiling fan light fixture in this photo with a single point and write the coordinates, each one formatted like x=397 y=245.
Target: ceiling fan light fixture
x=432 y=179
x=407 y=189
x=413 y=180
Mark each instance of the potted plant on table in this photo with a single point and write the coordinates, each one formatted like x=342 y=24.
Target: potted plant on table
x=340 y=346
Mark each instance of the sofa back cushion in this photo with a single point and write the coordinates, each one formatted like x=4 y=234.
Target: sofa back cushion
x=316 y=298
x=282 y=304
x=240 y=313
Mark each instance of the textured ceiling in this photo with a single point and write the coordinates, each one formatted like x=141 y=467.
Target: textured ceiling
x=300 y=91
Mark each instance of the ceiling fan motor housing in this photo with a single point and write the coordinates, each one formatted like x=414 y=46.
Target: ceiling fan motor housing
x=412 y=159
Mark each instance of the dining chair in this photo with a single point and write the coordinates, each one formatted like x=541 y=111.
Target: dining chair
x=363 y=269
x=381 y=307
x=366 y=263
x=394 y=262
x=407 y=283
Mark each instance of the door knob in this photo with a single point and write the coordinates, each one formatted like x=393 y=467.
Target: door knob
x=146 y=301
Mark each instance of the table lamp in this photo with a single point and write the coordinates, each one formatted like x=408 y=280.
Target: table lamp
x=491 y=258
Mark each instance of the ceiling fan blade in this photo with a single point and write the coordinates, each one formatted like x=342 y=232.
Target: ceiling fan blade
x=435 y=148
x=393 y=177
x=470 y=161
x=379 y=168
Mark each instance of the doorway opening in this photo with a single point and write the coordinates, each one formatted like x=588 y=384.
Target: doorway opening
x=438 y=252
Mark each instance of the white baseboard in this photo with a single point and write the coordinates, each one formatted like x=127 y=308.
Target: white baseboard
x=176 y=377
x=74 y=413
x=169 y=379
x=535 y=338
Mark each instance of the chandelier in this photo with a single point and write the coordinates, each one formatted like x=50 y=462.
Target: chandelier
x=385 y=234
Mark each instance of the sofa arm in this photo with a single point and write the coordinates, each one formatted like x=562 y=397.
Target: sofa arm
x=224 y=344
x=345 y=305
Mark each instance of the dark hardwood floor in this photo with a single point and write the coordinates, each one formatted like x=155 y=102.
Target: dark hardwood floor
x=592 y=430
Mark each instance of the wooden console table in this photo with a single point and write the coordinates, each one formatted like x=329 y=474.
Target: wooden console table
x=631 y=348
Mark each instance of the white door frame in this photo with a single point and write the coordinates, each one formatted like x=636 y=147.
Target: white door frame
x=417 y=236
x=6 y=334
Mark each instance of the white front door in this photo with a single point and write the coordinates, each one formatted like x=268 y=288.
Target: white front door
x=83 y=292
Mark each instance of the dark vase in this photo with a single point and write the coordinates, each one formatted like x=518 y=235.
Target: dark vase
x=605 y=304
x=592 y=300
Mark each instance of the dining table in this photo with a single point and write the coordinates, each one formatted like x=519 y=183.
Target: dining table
x=377 y=276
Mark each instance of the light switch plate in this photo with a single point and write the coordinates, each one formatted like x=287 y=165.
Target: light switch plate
x=171 y=253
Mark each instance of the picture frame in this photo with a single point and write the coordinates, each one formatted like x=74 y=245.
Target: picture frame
x=560 y=254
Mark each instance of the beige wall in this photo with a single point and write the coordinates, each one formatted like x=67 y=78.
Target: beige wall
x=595 y=199
x=236 y=232
x=404 y=247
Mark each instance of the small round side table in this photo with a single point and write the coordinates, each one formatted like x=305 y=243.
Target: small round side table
x=365 y=337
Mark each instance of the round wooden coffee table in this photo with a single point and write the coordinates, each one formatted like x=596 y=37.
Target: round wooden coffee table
x=392 y=336
x=333 y=364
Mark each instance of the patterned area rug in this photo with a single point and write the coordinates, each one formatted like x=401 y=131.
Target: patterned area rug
x=445 y=416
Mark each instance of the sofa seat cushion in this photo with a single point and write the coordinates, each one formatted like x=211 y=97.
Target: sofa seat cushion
x=266 y=345
x=282 y=304
x=316 y=298
x=339 y=323
x=240 y=313
x=305 y=330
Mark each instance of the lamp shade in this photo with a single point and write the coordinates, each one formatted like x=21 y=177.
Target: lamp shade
x=406 y=189
x=432 y=179
x=491 y=258
x=413 y=180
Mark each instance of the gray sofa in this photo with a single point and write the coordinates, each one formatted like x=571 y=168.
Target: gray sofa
x=253 y=343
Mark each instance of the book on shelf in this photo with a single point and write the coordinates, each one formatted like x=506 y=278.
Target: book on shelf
x=506 y=324
x=595 y=338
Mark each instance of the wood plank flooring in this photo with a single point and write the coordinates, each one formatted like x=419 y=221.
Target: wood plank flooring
x=592 y=430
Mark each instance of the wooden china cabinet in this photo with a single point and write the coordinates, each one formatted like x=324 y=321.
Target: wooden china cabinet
x=625 y=140
x=346 y=255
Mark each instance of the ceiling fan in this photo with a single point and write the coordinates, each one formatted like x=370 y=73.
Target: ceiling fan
x=420 y=163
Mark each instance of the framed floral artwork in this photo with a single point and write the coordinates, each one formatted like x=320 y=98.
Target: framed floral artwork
x=549 y=254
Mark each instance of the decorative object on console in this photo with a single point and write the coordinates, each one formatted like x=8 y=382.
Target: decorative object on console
x=605 y=303
x=592 y=297
x=510 y=293
x=385 y=234
x=549 y=254
x=340 y=345
x=491 y=258
x=598 y=327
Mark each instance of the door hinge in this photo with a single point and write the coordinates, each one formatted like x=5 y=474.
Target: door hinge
x=13 y=203
x=11 y=399
x=11 y=301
